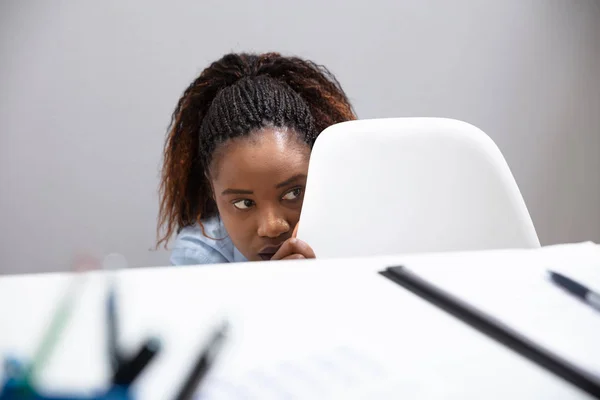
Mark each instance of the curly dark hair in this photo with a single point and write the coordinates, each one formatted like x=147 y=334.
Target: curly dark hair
x=234 y=96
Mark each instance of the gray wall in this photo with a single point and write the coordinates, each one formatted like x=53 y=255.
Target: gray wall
x=87 y=88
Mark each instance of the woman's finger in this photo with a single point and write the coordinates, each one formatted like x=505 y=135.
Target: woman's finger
x=285 y=250
x=294 y=246
x=294 y=257
x=303 y=248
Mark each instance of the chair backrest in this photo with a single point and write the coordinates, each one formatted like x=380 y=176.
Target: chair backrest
x=405 y=185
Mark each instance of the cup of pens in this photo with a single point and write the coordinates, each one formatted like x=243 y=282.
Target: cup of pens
x=20 y=376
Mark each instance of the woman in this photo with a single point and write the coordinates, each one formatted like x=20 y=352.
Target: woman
x=236 y=158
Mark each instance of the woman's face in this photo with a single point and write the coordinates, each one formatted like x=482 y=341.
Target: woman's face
x=258 y=184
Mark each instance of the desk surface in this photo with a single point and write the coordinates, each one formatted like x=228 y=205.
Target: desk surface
x=288 y=319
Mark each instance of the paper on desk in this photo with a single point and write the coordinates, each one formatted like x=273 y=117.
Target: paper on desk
x=338 y=372
x=515 y=288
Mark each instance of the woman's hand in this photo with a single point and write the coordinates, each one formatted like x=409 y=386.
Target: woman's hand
x=294 y=249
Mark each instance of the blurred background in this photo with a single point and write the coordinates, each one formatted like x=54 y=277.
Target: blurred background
x=87 y=89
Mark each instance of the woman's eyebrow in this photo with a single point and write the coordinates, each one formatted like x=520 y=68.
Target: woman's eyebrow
x=290 y=180
x=236 y=191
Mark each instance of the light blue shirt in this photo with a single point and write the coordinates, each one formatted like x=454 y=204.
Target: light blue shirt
x=192 y=247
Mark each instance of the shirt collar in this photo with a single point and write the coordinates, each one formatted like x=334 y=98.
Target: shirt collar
x=237 y=256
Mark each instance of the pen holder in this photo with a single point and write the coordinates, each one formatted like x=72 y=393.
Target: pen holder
x=16 y=386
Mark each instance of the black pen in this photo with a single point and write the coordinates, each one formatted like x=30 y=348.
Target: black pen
x=129 y=370
x=584 y=293
x=113 y=348
x=203 y=364
x=112 y=263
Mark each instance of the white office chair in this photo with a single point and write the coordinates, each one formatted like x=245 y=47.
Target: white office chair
x=405 y=185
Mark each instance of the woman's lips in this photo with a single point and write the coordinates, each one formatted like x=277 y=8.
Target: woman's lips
x=266 y=253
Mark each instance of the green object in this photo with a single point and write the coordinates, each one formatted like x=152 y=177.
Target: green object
x=57 y=325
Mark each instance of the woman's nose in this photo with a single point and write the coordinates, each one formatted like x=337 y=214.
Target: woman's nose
x=272 y=224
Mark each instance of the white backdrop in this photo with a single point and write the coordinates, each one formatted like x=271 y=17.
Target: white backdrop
x=87 y=89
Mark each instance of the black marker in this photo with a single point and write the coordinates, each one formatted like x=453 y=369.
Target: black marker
x=128 y=371
x=584 y=293
x=113 y=349
x=112 y=263
x=203 y=364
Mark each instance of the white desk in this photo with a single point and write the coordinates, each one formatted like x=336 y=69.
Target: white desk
x=302 y=312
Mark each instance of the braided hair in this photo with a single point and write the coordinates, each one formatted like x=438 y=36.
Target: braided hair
x=233 y=97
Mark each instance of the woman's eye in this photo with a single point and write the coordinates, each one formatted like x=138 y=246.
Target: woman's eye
x=243 y=204
x=292 y=194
